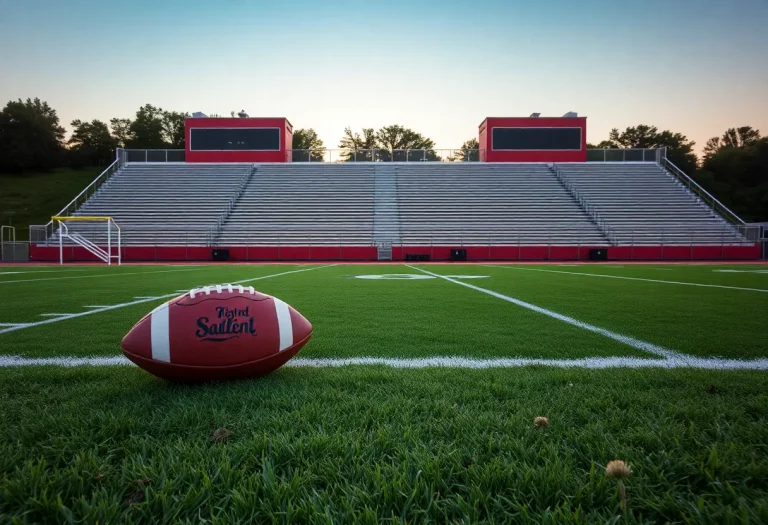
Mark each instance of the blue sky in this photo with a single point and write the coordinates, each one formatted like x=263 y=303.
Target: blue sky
x=440 y=67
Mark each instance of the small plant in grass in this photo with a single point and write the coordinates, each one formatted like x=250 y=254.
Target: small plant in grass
x=619 y=470
x=221 y=434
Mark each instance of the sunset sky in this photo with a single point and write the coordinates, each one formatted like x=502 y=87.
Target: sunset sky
x=439 y=67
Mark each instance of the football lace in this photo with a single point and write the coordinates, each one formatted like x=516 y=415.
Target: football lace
x=221 y=288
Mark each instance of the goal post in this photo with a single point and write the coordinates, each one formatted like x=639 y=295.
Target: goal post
x=104 y=255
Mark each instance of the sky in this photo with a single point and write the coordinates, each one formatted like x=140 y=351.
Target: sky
x=696 y=67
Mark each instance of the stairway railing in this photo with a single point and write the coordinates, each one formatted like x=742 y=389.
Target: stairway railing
x=231 y=203
x=706 y=197
x=585 y=205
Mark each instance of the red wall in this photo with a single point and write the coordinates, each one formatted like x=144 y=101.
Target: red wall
x=486 y=133
x=483 y=141
x=286 y=140
x=436 y=253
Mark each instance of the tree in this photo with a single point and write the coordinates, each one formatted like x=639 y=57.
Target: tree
x=679 y=148
x=389 y=143
x=30 y=136
x=173 y=128
x=91 y=144
x=732 y=138
x=603 y=144
x=306 y=140
x=469 y=151
x=121 y=131
x=148 y=130
x=358 y=147
x=737 y=175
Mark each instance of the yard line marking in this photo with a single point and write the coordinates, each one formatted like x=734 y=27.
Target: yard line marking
x=706 y=363
x=95 y=306
x=41 y=271
x=54 y=315
x=11 y=324
x=286 y=273
x=116 y=274
x=629 y=341
x=140 y=301
x=633 y=278
x=741 y=271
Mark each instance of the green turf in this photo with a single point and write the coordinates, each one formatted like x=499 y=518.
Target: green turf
x=374 y=444
x=32 y=197
x=694 y=320
x=382 y=445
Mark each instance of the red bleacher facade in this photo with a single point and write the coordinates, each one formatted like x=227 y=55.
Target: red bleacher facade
x=490 y=154
x=278 y=154
x=437 y=253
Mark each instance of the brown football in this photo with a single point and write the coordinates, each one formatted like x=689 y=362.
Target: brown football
x=217 y=332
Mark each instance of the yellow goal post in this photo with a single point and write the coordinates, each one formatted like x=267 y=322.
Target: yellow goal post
x=78 y=239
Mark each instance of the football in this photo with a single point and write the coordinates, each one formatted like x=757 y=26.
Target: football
x=217 y=332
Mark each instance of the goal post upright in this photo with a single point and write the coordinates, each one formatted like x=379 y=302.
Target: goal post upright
x=104 y=255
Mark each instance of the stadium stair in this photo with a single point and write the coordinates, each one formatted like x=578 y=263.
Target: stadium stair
x=386 y=219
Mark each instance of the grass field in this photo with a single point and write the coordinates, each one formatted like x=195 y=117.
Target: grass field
x=30 y=198
x=414 y=401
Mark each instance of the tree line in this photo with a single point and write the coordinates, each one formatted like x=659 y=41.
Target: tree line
x=733 y=167
x=33 y=140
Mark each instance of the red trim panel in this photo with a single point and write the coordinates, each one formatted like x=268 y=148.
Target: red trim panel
x=399 y=253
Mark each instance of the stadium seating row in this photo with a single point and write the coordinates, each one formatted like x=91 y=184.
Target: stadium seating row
x=402 y=204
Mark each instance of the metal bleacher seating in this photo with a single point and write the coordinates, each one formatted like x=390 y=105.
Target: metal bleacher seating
x=302 y=204
x=646 y=205
x=414 y=204
x=478 y=204
x=163 y=203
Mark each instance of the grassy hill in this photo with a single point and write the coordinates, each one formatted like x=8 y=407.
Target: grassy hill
x=33 y=197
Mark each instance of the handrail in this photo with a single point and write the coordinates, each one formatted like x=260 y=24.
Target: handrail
x=63 y=211
x=588 y=208
x=700 y=190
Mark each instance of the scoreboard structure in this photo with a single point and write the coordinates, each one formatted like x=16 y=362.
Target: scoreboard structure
x=533 y=139
x=214 y=139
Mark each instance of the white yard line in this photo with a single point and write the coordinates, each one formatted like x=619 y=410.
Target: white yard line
x=15 y=271
x=116 y=274
x=624 y=339
x=705 y=363
x=63 y=317
x=630 y=278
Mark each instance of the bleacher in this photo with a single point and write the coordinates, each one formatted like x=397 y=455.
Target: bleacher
x=646 y=205
x=301 y=204
x=479 y=204
x=412 y=204
x=163 y=203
